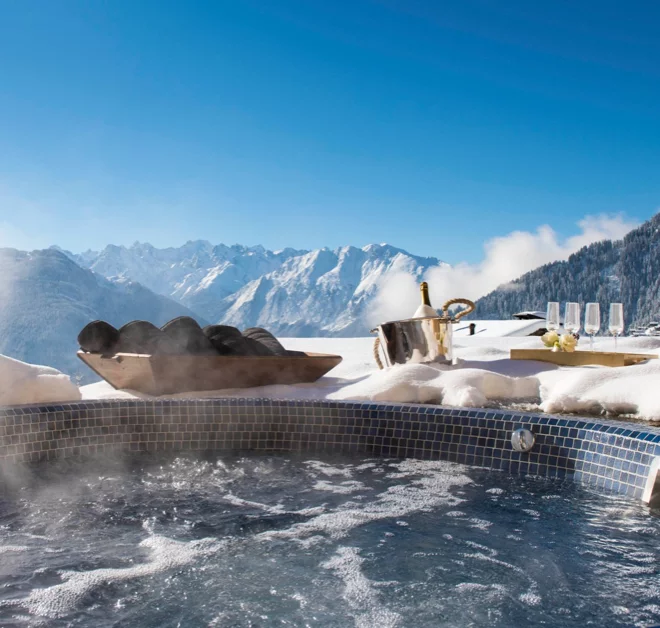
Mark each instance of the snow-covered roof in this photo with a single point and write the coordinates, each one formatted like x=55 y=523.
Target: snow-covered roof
x=530 y=314
x=499 y=328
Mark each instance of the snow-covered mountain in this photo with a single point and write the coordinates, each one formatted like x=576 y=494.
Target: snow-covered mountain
x=321 y=293
x=295 y=293
x=198 y=274
x=46 y=299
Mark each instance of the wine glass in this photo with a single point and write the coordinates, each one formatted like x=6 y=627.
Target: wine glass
x=552 y=316
x=592 y=322
x=616 y=320
x=572 y=318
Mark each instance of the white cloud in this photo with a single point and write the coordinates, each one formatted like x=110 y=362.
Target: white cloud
x=397 y=298
x=505 y=258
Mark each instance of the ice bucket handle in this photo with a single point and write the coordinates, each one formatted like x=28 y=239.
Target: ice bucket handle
x=377 y=353
x=462 y=313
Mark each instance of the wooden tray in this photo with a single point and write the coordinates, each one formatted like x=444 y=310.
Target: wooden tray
x=581 y=358
x=163 y=375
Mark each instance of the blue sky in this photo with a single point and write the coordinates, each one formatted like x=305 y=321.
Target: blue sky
x=431 y=125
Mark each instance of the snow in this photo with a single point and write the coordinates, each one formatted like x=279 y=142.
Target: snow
x=483 y=376
x=22 y=383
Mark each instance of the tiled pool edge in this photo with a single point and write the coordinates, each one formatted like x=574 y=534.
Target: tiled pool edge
x=609 y=454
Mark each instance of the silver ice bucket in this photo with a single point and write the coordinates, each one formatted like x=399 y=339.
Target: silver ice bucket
x=418 y=340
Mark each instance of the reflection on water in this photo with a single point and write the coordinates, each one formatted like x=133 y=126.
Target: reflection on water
x=285 y=540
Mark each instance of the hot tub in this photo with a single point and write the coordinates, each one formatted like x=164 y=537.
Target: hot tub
x=261 y=513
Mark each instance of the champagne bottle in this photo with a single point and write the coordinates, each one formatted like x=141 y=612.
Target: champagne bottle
x=425 y=308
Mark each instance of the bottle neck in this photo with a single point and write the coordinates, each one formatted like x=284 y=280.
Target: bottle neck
x=424 y=290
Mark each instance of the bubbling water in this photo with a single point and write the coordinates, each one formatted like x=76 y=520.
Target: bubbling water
x=265 y=540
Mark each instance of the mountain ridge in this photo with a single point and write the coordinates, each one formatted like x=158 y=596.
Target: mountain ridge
x=623 y=271
x=252 y=286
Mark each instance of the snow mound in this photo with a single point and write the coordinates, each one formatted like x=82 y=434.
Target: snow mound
x=22 y=383
x=624 y=390
x=418 y=383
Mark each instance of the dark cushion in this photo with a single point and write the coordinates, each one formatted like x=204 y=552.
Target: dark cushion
x=144 y=337
x=189 y=337
x=266 y=339
x=237 y=345
x=228 y=340
x=219 y=332
x=98 y=337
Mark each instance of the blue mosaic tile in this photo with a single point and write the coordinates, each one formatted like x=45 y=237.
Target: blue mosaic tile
x=606 y=453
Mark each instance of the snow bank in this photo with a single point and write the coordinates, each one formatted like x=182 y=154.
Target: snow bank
x=452 y=386
x=597 y=390
x=483 y=376
x=27 y=383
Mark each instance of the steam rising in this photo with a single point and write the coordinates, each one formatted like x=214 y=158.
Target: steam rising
x=505 y=258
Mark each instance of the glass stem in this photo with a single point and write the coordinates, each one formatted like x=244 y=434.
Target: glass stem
x=591 y=342
x=616 y=336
